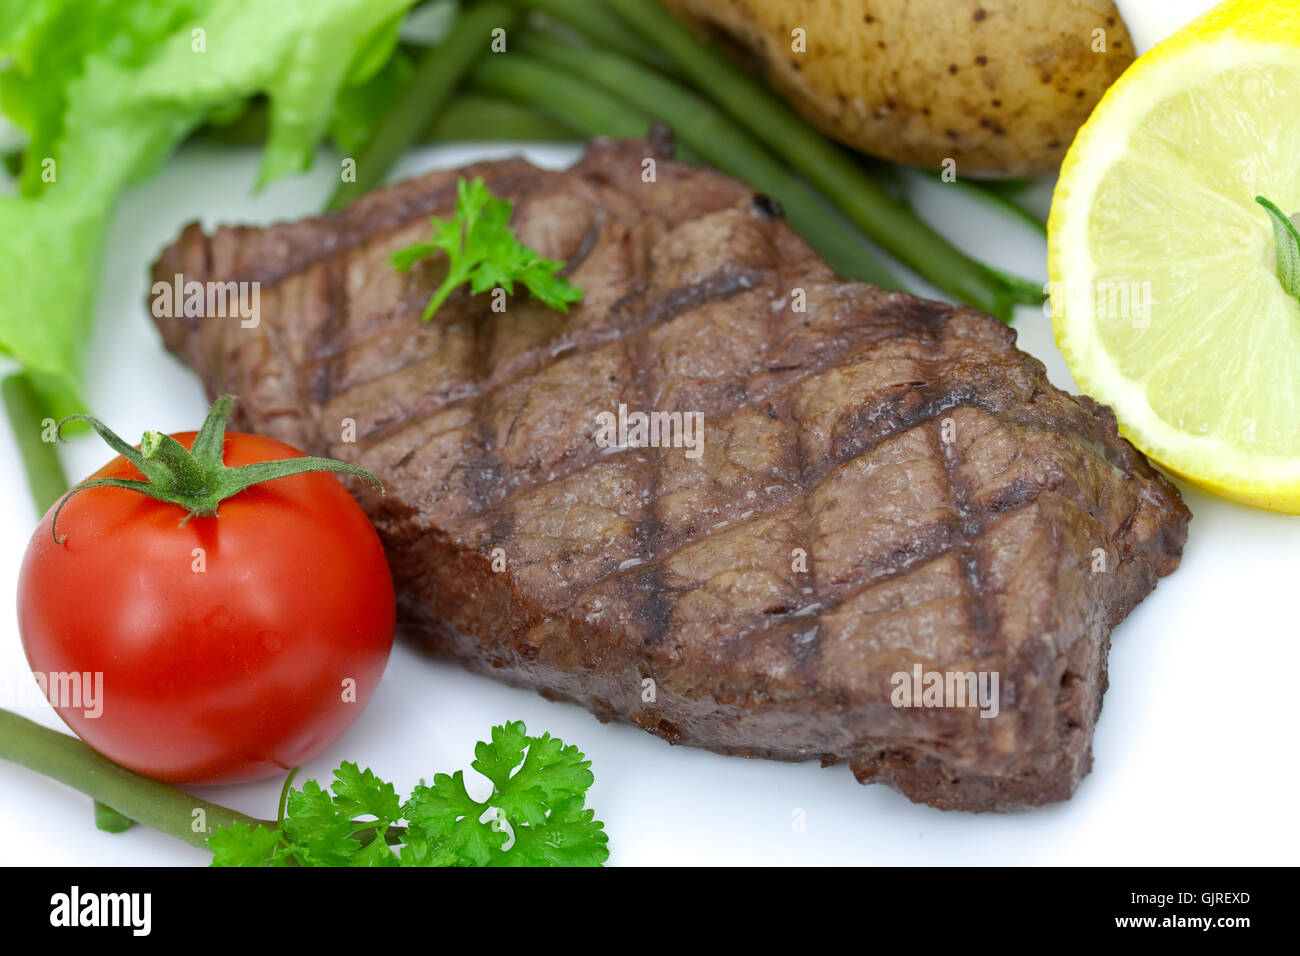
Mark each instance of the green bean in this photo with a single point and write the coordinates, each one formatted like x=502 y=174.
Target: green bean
x=710 y=133
x=594 y=20
x=74 y=763
x=27 y=412
x=437 y=74
x=468 y=118
x=109 y=820
x=583 y=108
x=478 y=118
x=996 y=197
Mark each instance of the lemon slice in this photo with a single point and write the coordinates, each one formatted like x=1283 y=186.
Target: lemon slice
x=1165 y=293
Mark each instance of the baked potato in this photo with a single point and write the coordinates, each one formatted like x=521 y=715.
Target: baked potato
x=998 y=86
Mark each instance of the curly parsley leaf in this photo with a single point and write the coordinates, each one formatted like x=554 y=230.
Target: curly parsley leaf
x=359 y=792
x=482 y=251
x=548 y=772
x=535 y=816
x=570 y=837
x=318 y=831
x=450 y=821
x=242 y=845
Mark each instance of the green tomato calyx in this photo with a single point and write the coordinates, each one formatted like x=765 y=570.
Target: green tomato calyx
x=196 y=479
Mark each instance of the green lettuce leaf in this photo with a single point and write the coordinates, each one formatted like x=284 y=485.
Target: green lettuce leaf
x=105 y=90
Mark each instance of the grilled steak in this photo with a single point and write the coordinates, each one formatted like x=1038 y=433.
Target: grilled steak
x=887 y=488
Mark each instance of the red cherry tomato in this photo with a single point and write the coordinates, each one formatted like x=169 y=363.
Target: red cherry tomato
x=230 y=647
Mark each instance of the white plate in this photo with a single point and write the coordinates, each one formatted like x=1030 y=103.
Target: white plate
x=1194 y=753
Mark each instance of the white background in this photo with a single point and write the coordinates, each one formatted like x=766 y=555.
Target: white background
x=1194 y=753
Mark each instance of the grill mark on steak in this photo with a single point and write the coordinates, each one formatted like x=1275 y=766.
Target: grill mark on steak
x=723 y=285
x=282 y=352
x=584 y=249
x=807 y=644
x=823 y=431
x=982 y=617
x=653 y=607
x=336 y=309
x=485 y=464
x=905 y=407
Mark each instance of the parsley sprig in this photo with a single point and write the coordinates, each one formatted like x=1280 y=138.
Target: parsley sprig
x=533 y=817
x=482 y=250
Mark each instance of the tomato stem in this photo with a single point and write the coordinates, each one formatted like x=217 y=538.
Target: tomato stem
x=72 y=762
x=188 y=478
x=196 y=479
x=284 y=796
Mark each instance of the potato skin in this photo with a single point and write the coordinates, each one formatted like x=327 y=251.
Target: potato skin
x=999 y=86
